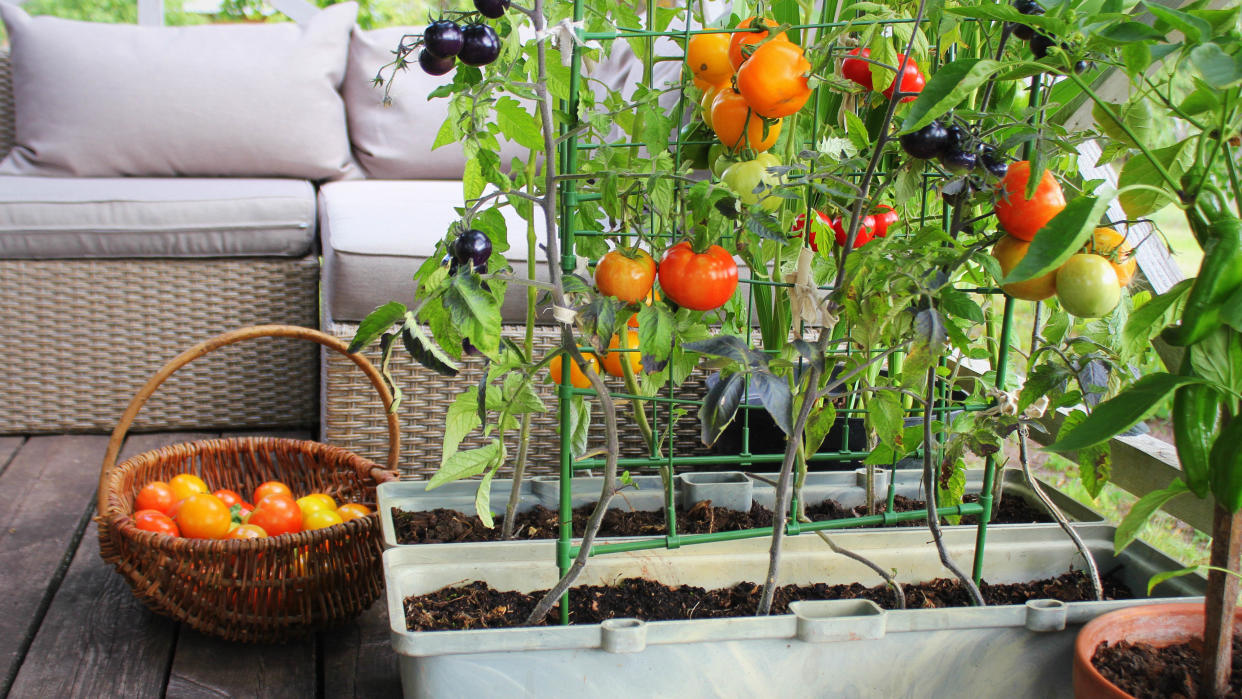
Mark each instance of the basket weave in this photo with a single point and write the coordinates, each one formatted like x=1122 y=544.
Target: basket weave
x=257 y=590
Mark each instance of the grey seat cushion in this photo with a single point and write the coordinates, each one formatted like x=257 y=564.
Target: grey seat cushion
x=83 y=217
x=376 y=233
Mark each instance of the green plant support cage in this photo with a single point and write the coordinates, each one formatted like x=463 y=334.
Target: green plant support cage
x=822 y=103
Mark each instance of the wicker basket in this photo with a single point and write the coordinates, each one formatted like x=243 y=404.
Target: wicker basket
x=258 y=590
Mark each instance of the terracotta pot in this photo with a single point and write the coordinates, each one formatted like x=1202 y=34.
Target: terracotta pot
x=1157 y=624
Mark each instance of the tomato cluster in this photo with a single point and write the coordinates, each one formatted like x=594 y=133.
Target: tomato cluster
x=1089 y=284
x=184 y=507
x=857 y=69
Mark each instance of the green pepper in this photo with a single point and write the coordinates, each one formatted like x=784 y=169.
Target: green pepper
x=1220 y=274
x=1226 y=460
x=1196 y=410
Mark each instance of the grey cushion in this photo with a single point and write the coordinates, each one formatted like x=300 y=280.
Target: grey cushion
x=105 y=100
x=67 y=218
x=376 y=233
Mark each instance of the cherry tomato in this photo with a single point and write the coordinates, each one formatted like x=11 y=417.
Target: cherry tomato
x=352 y=510
x=698 y=281
x=311 y=503
x=1087 y=286
x=155 y=521
x=272 y=488
x=627 y=275
x=705 y=103
x=708 y=57
x=738 y=127
x=774 y=80
x=866 y=231
x=612 y=360
x=821 y=224
x=857 y=70
x=325 y=499
x=1022 y=217
x=738 y=40
x=746 y=177
x=277 y=514
x=228 y=497
x=577 y=378
x=186 y=484
x=1009 y=251
x=912 y=79
x=156 y=495
x=246 y=531
x=203 y=516
x=885 y=216
x=320 y=519
x=1113 y=246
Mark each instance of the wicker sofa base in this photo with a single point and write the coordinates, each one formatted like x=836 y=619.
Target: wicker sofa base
x=81 y=337
x=353 y=418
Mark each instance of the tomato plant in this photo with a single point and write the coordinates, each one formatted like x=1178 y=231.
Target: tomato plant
x=1009 y=251
x=698 y=281
x=741 y=43
x=155 y=521
x=1021 y=217
x=738 y=127
x=626 y=275
x=1087 y=286
x=156 y=495
x=774 y=80
x=203 y=516
x=277 y=514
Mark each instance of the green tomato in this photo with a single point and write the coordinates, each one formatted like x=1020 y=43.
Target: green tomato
x=1087 y=286
x=721 y=162
x=745 y=177
x=695 y=153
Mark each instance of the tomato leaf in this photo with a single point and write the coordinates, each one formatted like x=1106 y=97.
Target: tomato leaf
x=474 y=311
x=1063 y=236
x=465 y=464
x=1142 y=511
x=1094 y=463
x=425 y=351
x=729 y=347
x=1218 y=69
x=483 y=499
x=960 y=304
x=1043 y=380
x=376 y=323
x=1138 y=170
x=579 y=425
x=774 y=394
x=1149 y=319
x=719 y=407
x=1121 y=412
x=947 y=88
x=518 y=124
x=461 y=419
x=818 y=426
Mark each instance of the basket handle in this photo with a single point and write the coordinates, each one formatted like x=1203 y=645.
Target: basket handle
x=239 y=335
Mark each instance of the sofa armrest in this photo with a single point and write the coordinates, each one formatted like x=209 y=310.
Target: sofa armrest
x=6 y=104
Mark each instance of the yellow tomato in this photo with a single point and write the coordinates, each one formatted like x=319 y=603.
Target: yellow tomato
x=186 y=484
x=313 y=503
x=576 y=377
x=352 y=510
x=320 y=519
x=708 y=57
x=1009 y=251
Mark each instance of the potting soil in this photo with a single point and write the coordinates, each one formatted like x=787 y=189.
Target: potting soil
x=1148 y=672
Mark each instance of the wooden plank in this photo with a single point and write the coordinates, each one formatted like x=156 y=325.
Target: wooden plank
x=46 y=498
x=97 y=639
x=207 y=667
x=8 y=448
x=358 y=658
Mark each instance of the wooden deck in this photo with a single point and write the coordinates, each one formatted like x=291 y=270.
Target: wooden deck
x=69 y=626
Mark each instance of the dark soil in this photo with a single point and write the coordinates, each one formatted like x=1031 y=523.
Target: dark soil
x=1148 y=672
x=445 y=526
x=477 y=606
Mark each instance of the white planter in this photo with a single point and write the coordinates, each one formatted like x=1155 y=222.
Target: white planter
x=848 y=649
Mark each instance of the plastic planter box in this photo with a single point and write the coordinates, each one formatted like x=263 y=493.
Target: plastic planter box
x=724 y=488
x=822 y=649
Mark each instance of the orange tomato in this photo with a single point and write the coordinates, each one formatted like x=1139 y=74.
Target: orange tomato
x=612 y=360
x=246 y=531
x=1112 y=245
x=738 y=55
x=203 y=516
x=577 y=378
x=738 y=127
x=228 y=497
x=156 y=495
x=1022 y=217
x=705 y=104
x=186 y=484
x=1009 y=251
x=277 y=514
x=652 y=296
x=774 y=80
x=352 y=510
x=628 y=275
x=708 y=57
x=271 y=488
x=155 y=521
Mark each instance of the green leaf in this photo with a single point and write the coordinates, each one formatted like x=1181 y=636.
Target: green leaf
x=472 y=179
x=774 y=394
x=1120 y=413
x=1218 y=69
x=1136 y=116
x=447 y=134
x=1194 y=28
x=579 y=425
x=1138 y=203
x=518 y=125
x=655 y=332
x=960 y=304
x=1217 y=358
x=1127 y=31
x=884 y=415
x=1094 y=463
x=1148 y=320
x=1142 y=511
x=818 y=425
x=474 y=312
x=424 y=351
x=461 y=419
x=719 y=406
x=949 y=85
x=1170 y=574
x=856 y=130
x=519 y=396
x=466 y=464
x=1063 y=236
x=1043 y=380
x=376 y=322
x=483 y=499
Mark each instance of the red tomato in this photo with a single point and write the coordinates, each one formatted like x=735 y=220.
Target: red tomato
x=1021 y=217
x=228 y=497
x=271 y=488
x=277 y=515
x=912 y=79
x=822 y=222
x=155 y=521
x=884 y=217
x=698 y=281
x=627 y=278
x=857 y=70
x=156 y=495
x=865 y=232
